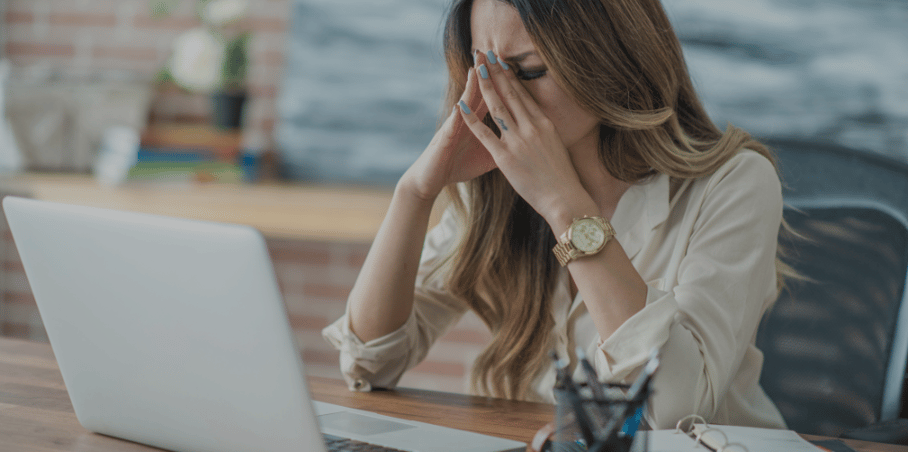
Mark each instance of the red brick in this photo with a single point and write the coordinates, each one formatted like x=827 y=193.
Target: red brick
x=39 y=49
x=83 y=19
x=262 y=24
x=142 y=68
x=257 y=66
x=13 y=266
x=440 y=368
x=467 y=336
x=16 y=330
x=329 y=291
x=260 y=107
x=270 y=58
x=273 y=8
x=263 y=74
x=18 y=298
x=20 y=5
x=74 y=6
x=265 y=124
x=293 y=275
x=19 y=17
x=22 y=32
x=357 y=258
x=267 y=42
x=282 y=287
x=307 y=322
x=263 y=90
x=169 y=23
x=127 y=53
x=301 y=255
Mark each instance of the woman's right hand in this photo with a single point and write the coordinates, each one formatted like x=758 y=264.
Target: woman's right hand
x=454 y=154
x=382 y=297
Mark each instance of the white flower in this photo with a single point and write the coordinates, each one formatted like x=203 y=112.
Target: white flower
x=222 y=12
x=197 y=60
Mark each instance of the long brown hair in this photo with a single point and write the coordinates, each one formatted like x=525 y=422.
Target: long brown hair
x=621 y=61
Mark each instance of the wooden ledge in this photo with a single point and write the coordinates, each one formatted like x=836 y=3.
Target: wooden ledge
x=279 y=210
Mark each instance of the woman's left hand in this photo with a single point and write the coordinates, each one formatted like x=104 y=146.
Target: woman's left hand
x=529 y=152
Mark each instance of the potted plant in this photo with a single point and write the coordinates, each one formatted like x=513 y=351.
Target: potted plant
x=212 y=58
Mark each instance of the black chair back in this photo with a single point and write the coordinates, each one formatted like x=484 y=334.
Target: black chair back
x=836 y=343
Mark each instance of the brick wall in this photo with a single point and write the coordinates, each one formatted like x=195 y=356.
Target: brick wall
x=315 y=279
x=112 y=37
x=98 y=37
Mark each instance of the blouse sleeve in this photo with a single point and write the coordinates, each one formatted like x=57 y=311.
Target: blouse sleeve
x=726 y=279
x=380 y=362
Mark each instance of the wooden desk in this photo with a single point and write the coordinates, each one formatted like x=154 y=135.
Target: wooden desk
x=36 y=414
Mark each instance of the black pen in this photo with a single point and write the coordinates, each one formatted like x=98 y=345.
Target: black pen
x=561 y=377
x=648 y=371
x=642 y=381
x=592 y=379
x=571 y=394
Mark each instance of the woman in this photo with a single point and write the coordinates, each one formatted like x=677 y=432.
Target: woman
x=568 y=118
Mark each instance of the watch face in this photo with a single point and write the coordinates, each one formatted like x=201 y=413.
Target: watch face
x=587 y=235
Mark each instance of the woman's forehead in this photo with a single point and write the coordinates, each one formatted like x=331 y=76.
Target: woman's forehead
x=495 y=25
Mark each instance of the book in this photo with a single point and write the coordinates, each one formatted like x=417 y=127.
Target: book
x=161 y=165
x=726 y=438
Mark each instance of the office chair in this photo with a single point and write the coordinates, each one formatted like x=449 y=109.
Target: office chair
x=835 y=344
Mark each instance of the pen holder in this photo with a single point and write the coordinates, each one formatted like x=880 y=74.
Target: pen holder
x=584 y=422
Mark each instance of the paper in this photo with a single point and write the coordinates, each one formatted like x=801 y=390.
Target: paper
x=754 y=439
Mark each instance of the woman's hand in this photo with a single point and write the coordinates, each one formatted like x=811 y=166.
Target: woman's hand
x=454 y=154
x=529 y=152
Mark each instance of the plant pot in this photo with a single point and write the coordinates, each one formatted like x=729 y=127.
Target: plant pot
x=227 y=109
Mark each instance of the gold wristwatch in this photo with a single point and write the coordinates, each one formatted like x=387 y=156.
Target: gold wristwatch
x=586 y=236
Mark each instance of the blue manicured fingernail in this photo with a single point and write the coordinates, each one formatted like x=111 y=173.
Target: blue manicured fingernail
x=491 y=56
x=483 y=72
x=464 y=108
x=504 y=65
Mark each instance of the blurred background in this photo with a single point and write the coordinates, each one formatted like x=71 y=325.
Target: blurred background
x=349 y=90
x=158 y=105
x=830 y=71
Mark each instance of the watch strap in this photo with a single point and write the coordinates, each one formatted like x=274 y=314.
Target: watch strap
x=565 y=251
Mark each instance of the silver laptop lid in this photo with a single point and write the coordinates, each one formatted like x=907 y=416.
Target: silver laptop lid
x=168 y=332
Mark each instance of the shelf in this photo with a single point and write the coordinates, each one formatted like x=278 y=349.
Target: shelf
x=278 y=210
x=225 y=144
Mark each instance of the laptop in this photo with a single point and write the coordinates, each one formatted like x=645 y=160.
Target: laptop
x=173 y=333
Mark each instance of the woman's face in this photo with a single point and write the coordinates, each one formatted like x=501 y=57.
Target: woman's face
x=496 y=26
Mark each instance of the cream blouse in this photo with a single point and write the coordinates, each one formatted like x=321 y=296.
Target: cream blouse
x=708 y=257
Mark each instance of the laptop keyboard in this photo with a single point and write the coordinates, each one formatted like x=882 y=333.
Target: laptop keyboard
x=338 y=444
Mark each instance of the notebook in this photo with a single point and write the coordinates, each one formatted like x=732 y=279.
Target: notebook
x=726 y=438
x=173 y=333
